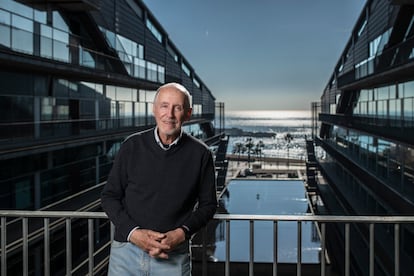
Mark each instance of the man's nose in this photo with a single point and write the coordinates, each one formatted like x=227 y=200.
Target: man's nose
x=171 y=112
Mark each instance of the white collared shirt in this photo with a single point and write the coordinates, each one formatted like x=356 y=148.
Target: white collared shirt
x=166 y=147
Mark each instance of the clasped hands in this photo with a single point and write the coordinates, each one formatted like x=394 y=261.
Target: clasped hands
x=157 y=244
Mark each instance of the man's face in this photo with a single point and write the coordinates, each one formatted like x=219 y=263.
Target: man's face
x=170 y=113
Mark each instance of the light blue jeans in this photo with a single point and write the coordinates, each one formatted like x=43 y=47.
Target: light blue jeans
x=128 y=259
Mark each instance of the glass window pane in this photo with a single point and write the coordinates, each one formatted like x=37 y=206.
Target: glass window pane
x=17 y=8
x=22 y=23
x=60 y=51
x=46 y=47
x=4 y=17
x=111 y=92
x=58 y=22
x=22 y=41
x=40 y=16
x=124 y=94
x=24 y=194
x=5 y=35
x=60 y=36
x=46 y=31
x=409 y=89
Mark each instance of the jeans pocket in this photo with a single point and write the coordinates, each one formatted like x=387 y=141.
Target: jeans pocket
x=117 y=244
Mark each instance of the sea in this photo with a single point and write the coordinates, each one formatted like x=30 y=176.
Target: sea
x=268 y=130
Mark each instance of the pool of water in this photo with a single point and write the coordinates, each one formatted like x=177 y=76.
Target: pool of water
x=266 y=197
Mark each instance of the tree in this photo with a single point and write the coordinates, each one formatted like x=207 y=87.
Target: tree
x=238 y=148
x=249 y=145
x=288 y=138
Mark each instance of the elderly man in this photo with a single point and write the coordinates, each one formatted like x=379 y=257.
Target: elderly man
x=160 y=191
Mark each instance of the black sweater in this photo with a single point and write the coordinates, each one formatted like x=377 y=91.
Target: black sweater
x=155 y=189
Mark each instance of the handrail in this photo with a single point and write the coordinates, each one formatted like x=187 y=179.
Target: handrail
x=369 y=220
x=318 y=218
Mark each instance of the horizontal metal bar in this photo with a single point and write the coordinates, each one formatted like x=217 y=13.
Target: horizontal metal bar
x=319 y=218
x=362 y=219
x=52 y=214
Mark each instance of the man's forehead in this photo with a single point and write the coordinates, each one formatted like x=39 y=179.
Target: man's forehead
x=171 y=92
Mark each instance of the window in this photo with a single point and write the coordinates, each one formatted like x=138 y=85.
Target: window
x=196 y=82
x=362 y=28
x=59 y=22
x=152 y=74
x=185 y=69
x=5 y=28
x=60 y=45
x=22 y=34
x=46 y=41
x=139 y=68
x=154 y=30
x=161 y=74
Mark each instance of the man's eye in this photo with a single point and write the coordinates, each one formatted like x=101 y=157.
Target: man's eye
x=178 y=108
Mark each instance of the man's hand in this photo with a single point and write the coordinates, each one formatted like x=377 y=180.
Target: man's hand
x=151 y=242
x=173 y=238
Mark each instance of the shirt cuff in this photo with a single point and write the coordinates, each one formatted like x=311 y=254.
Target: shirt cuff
x=186 y=231
x=130 y=232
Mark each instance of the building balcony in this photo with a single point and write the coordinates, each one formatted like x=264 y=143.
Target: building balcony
x=395 y=129
x=27 y=238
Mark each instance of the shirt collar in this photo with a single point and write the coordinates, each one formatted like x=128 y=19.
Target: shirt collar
x=166 y=147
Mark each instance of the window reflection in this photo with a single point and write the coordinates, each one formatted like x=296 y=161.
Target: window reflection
x=388 y=160
x=394 y=102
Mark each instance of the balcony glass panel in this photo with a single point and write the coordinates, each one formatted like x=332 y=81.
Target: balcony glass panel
x=60 y=51
x=22 y=41
x=17 y=8
x=86 y=58
x=59 y=22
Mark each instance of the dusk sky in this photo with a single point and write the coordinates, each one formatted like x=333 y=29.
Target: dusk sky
x=260 y=54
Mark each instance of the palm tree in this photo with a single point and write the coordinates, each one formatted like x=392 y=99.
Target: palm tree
x=259 y=148
x=288 y=138
x=249 y=145
x=238 y=148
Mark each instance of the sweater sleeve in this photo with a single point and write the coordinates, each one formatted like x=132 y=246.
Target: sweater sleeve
x=113 y=194
x=207 y=197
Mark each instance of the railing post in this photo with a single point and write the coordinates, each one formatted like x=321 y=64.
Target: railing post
x=68 y=247
x=275 y=245
x=46 y=245
x=227 y=265
x=347 y=249
x=396 y=249
x=251 y=262
x=323 y=248
x=3 y=247
x=90 y=245
x=299 y=264
x=25 y=231
x=371 y=249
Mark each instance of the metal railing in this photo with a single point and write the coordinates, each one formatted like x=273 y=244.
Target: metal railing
x=66 y=218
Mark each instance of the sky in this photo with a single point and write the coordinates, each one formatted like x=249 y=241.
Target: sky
x=260 y=54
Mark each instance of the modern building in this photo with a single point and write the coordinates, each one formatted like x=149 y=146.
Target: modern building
x=365 y=138
x=76 y=78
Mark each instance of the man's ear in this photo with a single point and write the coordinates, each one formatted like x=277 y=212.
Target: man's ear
x=188 y=113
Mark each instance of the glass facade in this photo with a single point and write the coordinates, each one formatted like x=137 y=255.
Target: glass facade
x=71 y=89
x=60 y=132
x=389 y=161
x=366 y=130
x=24 y=29
x=68 y=108
x=395 y=102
